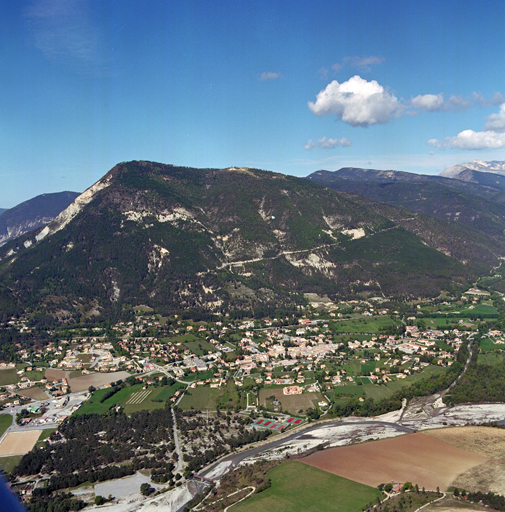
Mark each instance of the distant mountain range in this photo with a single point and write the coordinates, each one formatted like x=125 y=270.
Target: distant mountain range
x=478 y=203
x=3 y=210
x=237 y=240
x=32 y=214
x=493 y=167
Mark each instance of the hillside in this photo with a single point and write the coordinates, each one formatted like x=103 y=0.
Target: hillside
x=214 y=240
x=32 y=214
x=478 y=205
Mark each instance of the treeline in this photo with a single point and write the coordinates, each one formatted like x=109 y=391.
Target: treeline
x=496 y=501
x=481 y=383
x=59 y=503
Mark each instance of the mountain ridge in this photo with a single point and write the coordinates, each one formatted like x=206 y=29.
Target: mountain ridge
x=235 y=239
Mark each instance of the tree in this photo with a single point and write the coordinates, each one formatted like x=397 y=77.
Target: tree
x=145 y=489
x=99 y=500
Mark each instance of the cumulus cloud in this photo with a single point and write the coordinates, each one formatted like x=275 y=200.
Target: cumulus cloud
x=429 y=102
x=468 y=139
x=357 y=102
x=327 y=143
x=437 y=103
x=493 y=136
x=496 y=122
x=269 y=75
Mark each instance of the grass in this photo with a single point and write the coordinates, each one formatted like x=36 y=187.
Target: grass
x=201 y=399
x=491 y=358
x=93 y=406
x=7 y=464
x=46 y=433
x=361 y=325
x=8 y=376
x=298 y=487
x=5 y=422
x=487 y=345
x=200 y=347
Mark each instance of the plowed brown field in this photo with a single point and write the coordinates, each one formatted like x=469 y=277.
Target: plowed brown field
x=417 y=458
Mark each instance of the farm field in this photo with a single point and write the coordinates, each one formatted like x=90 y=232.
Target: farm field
x=7 y=464
x=487 y=345
x=361 y=325
x=290 y=403
x=490 y=358
x=298 y=487
x=418 y=458
x=486 y=441
x=131 y=398
x=95 y=379
x=36 y=393
x=18 y=443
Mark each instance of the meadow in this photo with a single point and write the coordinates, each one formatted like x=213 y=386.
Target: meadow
x=299 y=487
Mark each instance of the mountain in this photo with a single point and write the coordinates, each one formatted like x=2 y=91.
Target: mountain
x=33 y=214
x=478 y=204
x=228 y=240
x=494 y=167
x=2 y=210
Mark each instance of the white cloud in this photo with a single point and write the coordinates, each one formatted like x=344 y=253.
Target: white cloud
x=269 y=75
x=63 y=30
x=496 y=99
x=362 y=63
x=429 y=102
x=357 y=102
x=327 y=143
x=496 y=122
x=468 y=139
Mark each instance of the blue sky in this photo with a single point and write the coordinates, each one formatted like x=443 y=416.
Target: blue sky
x=287 y=86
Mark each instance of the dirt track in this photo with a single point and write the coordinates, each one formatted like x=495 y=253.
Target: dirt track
x=417 y=458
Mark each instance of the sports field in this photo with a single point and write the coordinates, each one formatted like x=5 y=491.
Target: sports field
x=417 y=458
x=18 y=443
x=298 y=487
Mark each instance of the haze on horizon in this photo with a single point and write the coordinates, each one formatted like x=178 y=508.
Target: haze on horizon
x=411 y=86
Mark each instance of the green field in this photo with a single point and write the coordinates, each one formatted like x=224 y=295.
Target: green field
x=7 y=464
x=490 y=358
x=487 y=345
x=8 y=376
x=368 y=325
x=46 y=433
x=155 y=400
x=297 y=487
x=201 y=398
x=199 y=347
x=5 y=422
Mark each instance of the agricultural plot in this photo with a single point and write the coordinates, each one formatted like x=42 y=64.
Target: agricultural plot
x=363 y=325
x=96 y=380
x=8 y=376
x=417 y=458
x=293 y=404
x=124 y=398
x=36 y=393
x=296 y=486
x=18 y=443
x=490 y=359
x=487 y=345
